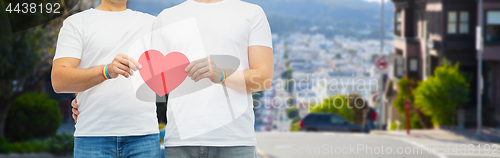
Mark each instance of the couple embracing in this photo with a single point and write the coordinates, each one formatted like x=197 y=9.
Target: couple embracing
x=209 y=113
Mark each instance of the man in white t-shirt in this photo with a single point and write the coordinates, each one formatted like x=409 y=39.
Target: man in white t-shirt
x=215 y=118
x=90 y=60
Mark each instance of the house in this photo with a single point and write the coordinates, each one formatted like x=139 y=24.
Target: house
x=428 y=31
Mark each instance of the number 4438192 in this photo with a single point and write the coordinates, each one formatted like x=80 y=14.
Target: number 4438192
x=33 y=8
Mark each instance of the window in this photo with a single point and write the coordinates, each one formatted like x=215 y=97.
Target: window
x=413 y=65
x=458 y=22
x=464 y=22
x=452 y=22
x=493 y=26
x=398 y=22
x=434 y=23
x=336 y=120
x=399 y=67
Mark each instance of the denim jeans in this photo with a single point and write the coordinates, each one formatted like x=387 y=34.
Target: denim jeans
x=118 y=146
x=211 y=152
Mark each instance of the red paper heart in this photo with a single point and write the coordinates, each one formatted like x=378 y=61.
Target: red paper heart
x=163 y=73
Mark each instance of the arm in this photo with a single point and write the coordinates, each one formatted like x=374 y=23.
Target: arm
x=257 y=78
x=67 y=78
x=260 y=75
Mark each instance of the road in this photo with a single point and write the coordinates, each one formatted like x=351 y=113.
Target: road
x=347 y=145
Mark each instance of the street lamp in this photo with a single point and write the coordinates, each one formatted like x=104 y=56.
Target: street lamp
x=479 y=47
x=381 y=97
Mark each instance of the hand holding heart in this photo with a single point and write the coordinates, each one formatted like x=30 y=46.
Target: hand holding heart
x=123 y=65
x=204 y=68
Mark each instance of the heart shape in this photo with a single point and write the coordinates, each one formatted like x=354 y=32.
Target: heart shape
x=163 y=73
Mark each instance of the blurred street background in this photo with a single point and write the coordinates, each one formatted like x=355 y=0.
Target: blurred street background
x=348 y=73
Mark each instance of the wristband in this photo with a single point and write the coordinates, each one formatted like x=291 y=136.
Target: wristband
x=105 y=73
x=223 y=79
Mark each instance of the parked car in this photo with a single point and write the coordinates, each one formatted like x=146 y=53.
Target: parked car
x=327 y=122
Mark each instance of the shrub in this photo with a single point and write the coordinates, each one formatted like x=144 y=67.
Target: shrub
x=441 y=94
x=404 y=93
x=294 y=127
x=61 y=145
x=393 y=126
x=292 y=112
x=350 y=109
x=4 y=145
x=32 y=116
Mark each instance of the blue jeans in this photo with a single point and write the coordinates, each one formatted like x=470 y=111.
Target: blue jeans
x=211 y=152
x=118 y=146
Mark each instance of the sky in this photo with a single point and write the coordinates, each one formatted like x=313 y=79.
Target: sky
x=376 y=0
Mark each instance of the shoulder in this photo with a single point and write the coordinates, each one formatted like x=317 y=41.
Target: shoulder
x=145 y=16
x=248 y=5
x=247 y=8
x=78 y=17
x=167 y=11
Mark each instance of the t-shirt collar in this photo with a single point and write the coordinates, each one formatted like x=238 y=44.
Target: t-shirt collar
x=216 y=3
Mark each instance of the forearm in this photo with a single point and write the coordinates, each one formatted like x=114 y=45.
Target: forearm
x=249 y=81
x=258 y=79
x=73 y=80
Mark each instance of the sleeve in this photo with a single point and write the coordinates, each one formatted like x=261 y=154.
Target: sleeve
x=69 y=42
x=260 y=33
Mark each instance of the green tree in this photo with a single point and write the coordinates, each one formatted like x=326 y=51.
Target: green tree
x=287 y=62
x=352 y=52
x=292 y=112
x=287 y=75
x=441 y=94
x=32 y=116
x=405 y=88
x=346 y=106
x=338 y=56
x=25 y=58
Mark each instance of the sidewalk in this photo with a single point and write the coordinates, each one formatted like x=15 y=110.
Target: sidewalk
x=488 y=134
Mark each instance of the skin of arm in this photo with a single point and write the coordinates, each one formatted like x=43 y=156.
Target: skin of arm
x=257 y=78
x=68 y=78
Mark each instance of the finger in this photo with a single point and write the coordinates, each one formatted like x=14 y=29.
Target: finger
x=202 y=76
x=75 y=117
x=197 y=67
x=126 y=69
x=192 y=64
x=76 y=94
x=74 y=104
x=125 y=62
x=133 y=63
x=120 y=72
x=75 y=111
x=136 y=65
x=200 y=71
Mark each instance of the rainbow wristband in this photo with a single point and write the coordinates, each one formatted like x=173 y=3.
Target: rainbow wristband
x=223 y=79
x=105 y=72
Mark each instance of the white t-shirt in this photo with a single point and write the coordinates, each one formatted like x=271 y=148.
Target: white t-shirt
x=205 y=116
x=110 y=108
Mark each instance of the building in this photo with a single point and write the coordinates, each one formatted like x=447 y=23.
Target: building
x=427 y=31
